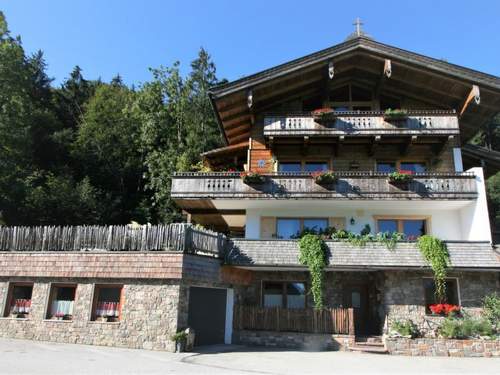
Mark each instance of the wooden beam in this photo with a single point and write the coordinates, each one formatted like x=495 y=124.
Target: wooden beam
x=475 y=95
x=373 y=145
x=405 y=147
x=439 y=147
x=211 y=211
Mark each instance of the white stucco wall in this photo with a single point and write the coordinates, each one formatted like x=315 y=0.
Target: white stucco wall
x=475 y=222
x=445 y=224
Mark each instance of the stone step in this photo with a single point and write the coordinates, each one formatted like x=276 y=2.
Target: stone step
x=369 y=343
x=368 y=349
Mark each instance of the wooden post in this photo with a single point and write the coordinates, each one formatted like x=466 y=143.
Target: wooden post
x=351 y=321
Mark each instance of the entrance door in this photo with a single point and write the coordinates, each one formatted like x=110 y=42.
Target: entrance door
x=207 y=315
x=356 y=296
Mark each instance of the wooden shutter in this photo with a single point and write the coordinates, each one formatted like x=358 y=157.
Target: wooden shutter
x=267 y=227
x=337 y=222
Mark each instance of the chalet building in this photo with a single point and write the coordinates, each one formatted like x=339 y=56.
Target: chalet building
x=361 y=109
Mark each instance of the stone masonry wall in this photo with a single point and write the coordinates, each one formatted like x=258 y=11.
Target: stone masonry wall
x=443 y=348
x=403 y=295
x=149 y=315
x=293 y=340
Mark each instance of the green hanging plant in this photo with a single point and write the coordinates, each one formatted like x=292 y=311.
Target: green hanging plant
x=313 y=255
x=436 y=254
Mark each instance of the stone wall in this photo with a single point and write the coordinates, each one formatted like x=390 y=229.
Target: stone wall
x=294 y=340
x=443 y=347
x=149 y=315
x=403 y=295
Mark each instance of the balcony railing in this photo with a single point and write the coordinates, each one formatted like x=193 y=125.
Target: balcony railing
x=360 y=123
x=350 y=185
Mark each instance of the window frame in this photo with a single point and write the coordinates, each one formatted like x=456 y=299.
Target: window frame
x=457 y=283
x=95 y=295
x=301 y=222
x=303 y=162
x=284 y=294
x=51 y=297
x=397 y=163
x=401 y=218
x=10 y=294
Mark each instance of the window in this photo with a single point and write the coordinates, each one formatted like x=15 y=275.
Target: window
x=291 y=295
x=107 y=303
x=315 y=167
x=415 y=167
x=287 y=228
x=386 y=167
x=290 y=167
x=391 y=166
x=308 y=166
x=61 y=301
x=19 y=300
x=412 y=228
x=452 y=296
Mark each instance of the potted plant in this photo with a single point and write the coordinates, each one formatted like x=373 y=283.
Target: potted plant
x=324 y=177
x=252 y=178
x=395 y=114
x=400 y=178
x=324 y=114
x=180 y=339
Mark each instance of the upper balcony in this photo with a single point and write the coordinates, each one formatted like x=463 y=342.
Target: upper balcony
x=349 y=185
x=363 y=123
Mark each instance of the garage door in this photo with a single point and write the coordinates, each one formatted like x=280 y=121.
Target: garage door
x=207 y=315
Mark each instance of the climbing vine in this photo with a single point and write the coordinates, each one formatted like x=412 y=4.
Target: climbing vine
x=435 y=253
x=313 y=255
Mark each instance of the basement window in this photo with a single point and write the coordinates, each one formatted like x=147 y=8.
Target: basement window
x=19 y=300
x=290 y=295
x=452 y=295
x=61 y=302
x=107 y=303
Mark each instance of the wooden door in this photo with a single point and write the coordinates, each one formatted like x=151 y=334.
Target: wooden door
x=356 y=296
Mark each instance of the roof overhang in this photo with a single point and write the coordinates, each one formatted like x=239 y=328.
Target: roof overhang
x=363 y=59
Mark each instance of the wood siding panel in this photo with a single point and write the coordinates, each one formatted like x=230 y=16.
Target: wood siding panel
x=337 y=222
x=267 y=227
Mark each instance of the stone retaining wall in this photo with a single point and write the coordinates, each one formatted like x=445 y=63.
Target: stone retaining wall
x=443 y=347
x=293 y=340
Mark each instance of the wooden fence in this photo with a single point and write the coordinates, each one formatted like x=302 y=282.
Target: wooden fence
x=328 y=320
x=174 y=237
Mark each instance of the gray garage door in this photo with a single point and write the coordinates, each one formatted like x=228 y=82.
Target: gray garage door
x=207 y=315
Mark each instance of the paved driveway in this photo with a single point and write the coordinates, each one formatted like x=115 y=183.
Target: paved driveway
x=30 y=357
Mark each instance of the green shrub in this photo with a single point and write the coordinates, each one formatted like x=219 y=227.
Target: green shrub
x=405 y=328
x=313 y=255
x=491 y=309
x=453 y=328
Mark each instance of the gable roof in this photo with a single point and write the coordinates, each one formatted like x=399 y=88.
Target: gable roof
x=437 y=74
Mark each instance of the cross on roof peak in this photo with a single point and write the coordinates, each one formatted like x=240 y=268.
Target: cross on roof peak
x=358 y=24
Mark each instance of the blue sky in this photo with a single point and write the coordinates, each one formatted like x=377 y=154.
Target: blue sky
x=243 y=37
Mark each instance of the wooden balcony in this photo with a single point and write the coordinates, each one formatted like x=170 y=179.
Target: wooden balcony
x=362 y=123
x=350 y=185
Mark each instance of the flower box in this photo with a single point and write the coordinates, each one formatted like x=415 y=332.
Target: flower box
x=324 y=114
x=252 y=178
x=324 y=178
x=395 y=115
x=444 y=309
x=400 y=178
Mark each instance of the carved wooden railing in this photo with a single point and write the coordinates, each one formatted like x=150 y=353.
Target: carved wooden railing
x=349 y=185
x=327 y=320
x=435 y=122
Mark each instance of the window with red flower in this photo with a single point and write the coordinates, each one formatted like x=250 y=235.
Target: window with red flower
x=446 y=306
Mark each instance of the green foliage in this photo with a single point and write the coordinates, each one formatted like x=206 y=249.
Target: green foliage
x=435 y=253
x=395 y=114
x=179 y=336
x=313 y=255
x=323 y=178
x=491 y=309
x=400 y=177
x=455 y=328
x=90 y=152
x=405 y=328
x=493 y=191
x=390 y=239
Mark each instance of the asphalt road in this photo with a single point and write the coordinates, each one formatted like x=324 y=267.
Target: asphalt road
x=21 y=357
